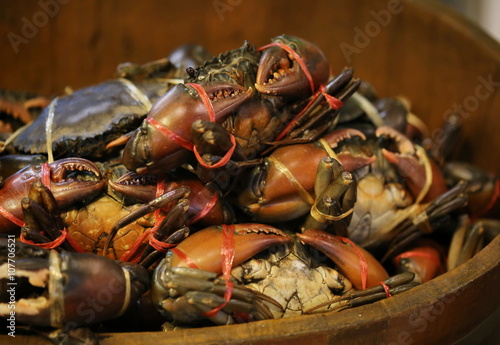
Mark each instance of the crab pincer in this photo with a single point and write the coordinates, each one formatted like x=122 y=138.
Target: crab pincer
x=422 y=175
x=164 y=140
x=186 y=284
x=69 y=179
x=291 y=66
x=70 y=289
x=357 y=264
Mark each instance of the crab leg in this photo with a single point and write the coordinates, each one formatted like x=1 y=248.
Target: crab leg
x=391 y=286
x=146 y=209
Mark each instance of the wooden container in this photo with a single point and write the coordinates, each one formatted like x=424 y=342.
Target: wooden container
x=418 y=49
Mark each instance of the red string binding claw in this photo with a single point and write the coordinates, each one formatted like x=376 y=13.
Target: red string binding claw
x=227 y=253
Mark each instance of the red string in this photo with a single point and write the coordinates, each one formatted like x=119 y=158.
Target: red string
x=11 y=217
x=333 y=102
x=386 y=289
x=171 y=135
x=47 y=245
x=205 y=99
x=362 y=262
x=184 y=257
x=131 y=253
x=160 y=246
x=227 y=253
x=46 y=175
x=223 y=160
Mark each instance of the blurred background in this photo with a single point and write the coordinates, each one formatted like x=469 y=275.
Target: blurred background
x=483 y=12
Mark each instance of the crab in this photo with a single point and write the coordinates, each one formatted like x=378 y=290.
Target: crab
x=85 y=122
x=280 y=282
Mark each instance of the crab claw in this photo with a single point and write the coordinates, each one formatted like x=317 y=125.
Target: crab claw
x=271 y=194
x=411 y=168
x=71 y=289
x=350 y=158
x=347 y=258
x=70 y=179
x=205 y=205
x=164 y=139
x=280 y=71
x=203 y=248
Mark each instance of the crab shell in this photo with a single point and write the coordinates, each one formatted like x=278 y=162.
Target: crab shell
x=91 y=225
x=151 y=151
x=84 y=121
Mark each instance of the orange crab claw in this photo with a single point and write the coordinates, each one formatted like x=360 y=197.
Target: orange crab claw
x=411 y=168
x=203 y=248
x=347 y=258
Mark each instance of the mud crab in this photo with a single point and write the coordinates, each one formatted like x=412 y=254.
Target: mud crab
x=283 y=187
x=250 y=119
x=273 y=284
x=392 y=187
x=118 y=107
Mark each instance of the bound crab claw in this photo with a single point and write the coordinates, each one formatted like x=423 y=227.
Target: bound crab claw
x=425 y=258
x=70 y=289
x=69 y=179
x=355 y=263
x=186 y=284
x=283 y=187
x=422 y=175
x=164 y=140
x=291 y=66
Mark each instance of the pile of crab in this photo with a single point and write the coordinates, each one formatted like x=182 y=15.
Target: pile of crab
x=197 y=190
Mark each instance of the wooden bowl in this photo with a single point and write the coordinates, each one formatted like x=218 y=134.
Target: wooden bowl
x=418 y=49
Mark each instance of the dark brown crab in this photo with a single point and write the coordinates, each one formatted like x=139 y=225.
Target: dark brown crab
x=84 y=122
